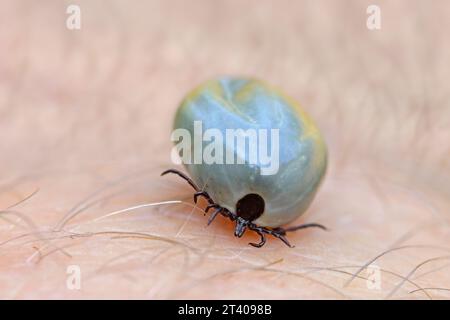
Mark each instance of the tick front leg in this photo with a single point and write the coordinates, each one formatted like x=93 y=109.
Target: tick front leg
x=261 y=234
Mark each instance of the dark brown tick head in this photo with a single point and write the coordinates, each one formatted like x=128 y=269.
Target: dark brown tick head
x=249 y=208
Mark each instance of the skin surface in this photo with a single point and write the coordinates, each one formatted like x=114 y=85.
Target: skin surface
x=247 y=104
x=85 y=123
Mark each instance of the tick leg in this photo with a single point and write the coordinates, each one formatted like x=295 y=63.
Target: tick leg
x=203 y=194
x=277 y=233
x=282 y=237
x=263 y=239
x=182 y=175
x=302 y=226
x=280 y=233
x=211 y=206
x=214 y=215
x=226 y=213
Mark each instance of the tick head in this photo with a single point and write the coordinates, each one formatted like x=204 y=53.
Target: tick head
x=249 y=208
x=241 y=226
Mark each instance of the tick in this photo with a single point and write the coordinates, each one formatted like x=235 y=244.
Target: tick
x=222 y=131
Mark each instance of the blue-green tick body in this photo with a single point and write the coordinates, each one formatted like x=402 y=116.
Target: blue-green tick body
x=266 y=184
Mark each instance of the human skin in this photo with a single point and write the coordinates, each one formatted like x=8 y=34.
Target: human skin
x=85 y=122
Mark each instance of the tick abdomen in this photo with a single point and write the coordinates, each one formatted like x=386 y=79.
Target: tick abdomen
x=286 y=174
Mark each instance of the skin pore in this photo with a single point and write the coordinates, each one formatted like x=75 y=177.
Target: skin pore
x=85 y=122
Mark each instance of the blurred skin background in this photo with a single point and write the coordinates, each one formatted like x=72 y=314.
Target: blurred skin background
x=85 y=122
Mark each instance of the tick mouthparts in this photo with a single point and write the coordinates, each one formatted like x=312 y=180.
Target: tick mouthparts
x=240 y=227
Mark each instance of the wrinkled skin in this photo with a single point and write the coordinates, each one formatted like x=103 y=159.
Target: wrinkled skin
x=85 y=120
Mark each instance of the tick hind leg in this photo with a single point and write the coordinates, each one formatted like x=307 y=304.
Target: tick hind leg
x=201 y=193
x=182 y=175
x=302 y=226
x=280 y=233
x=198 y=192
